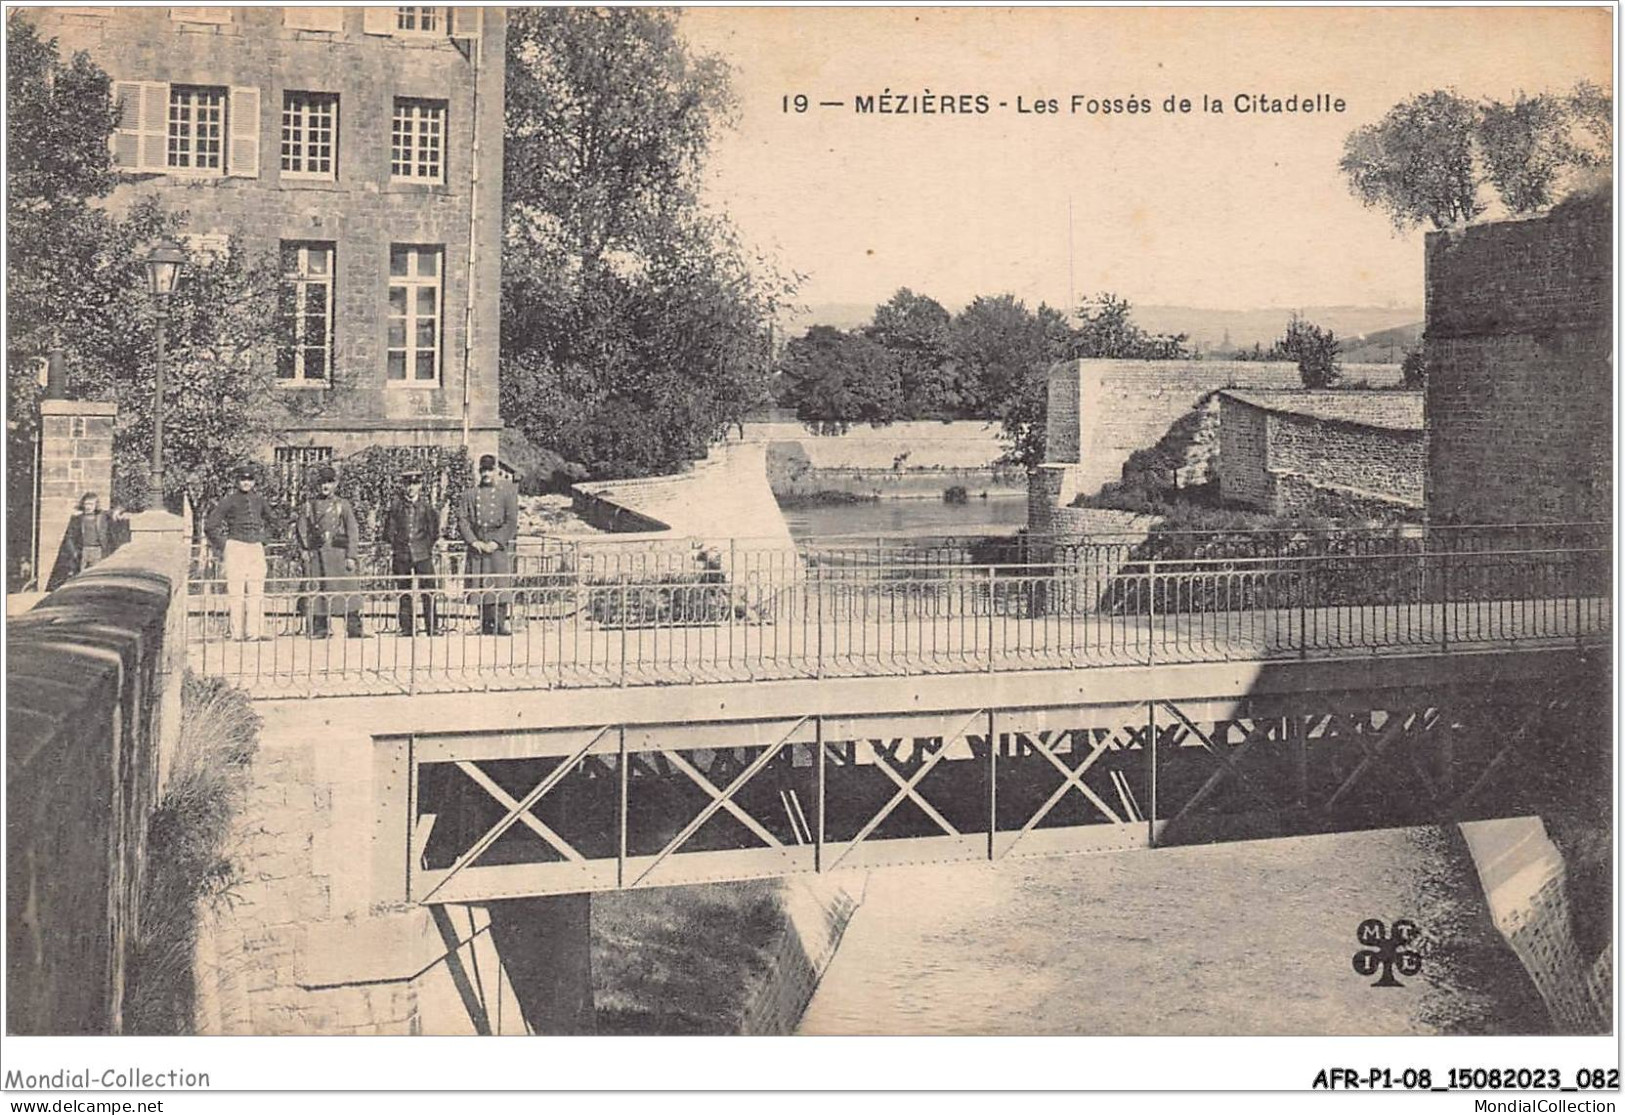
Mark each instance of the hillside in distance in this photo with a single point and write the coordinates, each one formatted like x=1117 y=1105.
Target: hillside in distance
x=1206 y=328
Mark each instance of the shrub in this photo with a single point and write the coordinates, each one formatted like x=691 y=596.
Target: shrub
x=188 y=864
x=956 y=494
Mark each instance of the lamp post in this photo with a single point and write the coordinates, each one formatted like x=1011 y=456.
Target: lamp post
x=163 y=272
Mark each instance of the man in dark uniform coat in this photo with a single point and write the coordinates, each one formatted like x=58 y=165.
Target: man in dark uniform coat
x=328 y=534
x=488 y=520
x=412 y=526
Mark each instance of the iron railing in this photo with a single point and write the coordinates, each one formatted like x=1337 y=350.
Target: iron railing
x=785 y=618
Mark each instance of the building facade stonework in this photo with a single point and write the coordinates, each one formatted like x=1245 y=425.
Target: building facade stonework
x=362 y=150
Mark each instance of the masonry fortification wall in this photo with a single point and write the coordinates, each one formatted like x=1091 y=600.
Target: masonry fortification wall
x=1287 y=463
x=1520 y=378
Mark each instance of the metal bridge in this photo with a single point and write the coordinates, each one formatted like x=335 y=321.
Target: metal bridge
x=791 y=716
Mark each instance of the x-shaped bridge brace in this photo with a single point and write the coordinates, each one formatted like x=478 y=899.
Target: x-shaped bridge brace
x=1159 y=789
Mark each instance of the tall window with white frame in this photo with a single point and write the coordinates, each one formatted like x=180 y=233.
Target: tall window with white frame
x=417 y=141
x=415 y=303
x=197 y=127
x=305 y=348
x=422 y=21
x=310 y=124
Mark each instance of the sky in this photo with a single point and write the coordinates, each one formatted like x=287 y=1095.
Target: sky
x=1232 y=211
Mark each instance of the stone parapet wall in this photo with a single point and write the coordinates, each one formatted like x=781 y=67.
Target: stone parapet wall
x=1520 y=375
x=1524 y=880
x=816 y=913
x=92 y=676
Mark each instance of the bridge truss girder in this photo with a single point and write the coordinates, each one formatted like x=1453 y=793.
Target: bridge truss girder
x=623 y=806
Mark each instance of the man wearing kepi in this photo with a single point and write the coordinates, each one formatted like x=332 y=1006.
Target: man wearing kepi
x=412 y=526
x=488 y=520
x=331 y=539
x=237 y=527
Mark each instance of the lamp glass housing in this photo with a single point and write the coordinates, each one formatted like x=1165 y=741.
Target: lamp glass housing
x=164 y=268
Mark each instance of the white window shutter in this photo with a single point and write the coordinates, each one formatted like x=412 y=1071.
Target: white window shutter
x=465 y=23
x=243 y=160
x=313 y=19
x=379 y=21
x=126 y=138
x=152 y=127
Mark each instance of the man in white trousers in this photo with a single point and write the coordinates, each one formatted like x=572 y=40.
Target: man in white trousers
x=239 y=526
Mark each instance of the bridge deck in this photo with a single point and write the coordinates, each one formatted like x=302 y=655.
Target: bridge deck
x=791 y=641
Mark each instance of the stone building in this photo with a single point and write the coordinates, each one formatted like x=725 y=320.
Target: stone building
x=362 y=147
x=1519 y=365
x=1322 y=452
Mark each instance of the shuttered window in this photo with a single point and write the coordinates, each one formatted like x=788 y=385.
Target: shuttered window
x=186 y=129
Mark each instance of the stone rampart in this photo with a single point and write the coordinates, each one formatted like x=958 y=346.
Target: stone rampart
x=1520 y=376
x=965 y=444
x=726 y=496
x=1103 y=411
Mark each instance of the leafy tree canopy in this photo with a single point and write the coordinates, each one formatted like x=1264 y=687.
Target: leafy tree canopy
x=634 y=324
x=834 y=378
x=1442 y=159
x=1313 y=349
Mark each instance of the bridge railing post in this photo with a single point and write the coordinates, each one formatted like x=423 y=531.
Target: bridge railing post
x=818 y=618
x=1151 y=613
x=1304 y=566
x=990 y=576
x=1444 y=602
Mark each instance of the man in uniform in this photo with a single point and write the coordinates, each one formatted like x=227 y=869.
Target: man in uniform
x=488 y=520
x=238 y=527
x=331 y=540
x=412 y=525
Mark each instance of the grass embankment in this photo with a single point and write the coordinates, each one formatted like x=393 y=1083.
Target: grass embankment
x=682 y=960
x=187 y=866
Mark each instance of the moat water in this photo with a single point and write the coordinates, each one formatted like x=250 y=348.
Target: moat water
x=1246 y=938
x=999 y=513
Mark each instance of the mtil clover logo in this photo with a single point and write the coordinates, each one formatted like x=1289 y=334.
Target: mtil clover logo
x=1385 y=951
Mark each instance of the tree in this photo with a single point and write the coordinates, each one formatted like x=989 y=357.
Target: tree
x=914 y=329
x=833 y=379
x=76 y=281
x=634 y=325
x=1314 y=350
x=1413 y=370
x=1417 y=161
x=58 y=118
x=1532 y=146
x=1440 y=158
x=1005 y=352
x=1106 y=331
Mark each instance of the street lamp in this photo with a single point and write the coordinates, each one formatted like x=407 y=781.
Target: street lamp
x=163 y=272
